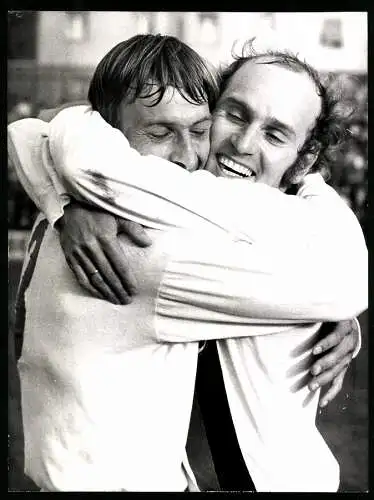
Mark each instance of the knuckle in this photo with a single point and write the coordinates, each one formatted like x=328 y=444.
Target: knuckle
x=351 y=341
x=344 y=333
x=108 y=238
x=351 y=337
x=325 y=362
x=128 y=224
x=324 y=379
x=332 y=339
x=345 y=326
x=350 y=326
x=337 y=334
x=328 y=343
x=329 y=375
x=336 y=370
x=346 y=346
x=88 y=242
x=323 y=376
x=74 y=251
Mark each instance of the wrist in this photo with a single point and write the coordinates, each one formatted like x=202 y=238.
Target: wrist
x=60 y=223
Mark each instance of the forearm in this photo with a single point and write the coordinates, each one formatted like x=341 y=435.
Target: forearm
x=245 y=302
x=314 y=232
x=306 y=283
x=220 y=283
x=98 y=165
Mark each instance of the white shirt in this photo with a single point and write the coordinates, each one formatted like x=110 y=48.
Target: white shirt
x=201 y=279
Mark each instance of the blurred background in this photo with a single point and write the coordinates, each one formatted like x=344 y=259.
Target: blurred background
x=51 y=57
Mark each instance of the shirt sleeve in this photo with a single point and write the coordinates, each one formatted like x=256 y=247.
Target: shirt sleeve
x=96 y=163
x=313 y=235
x=212 y=284
x=28 y=154
x=307 y=278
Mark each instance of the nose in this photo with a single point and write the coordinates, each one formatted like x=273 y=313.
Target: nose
x=245 y=141
x=185 y=155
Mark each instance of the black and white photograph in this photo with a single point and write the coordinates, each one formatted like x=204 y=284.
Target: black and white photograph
x=187 y=251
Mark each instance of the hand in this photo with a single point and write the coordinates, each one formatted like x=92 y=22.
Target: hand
x=338 y=347
x=89 y=240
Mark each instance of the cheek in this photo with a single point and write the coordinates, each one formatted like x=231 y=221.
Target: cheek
x=220 y=133
x=277 y=158
x=146 y=146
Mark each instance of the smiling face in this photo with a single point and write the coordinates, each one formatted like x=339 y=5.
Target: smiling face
x=261 y=121
x=174 y=129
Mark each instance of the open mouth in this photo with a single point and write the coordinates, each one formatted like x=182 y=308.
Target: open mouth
x=231 y=168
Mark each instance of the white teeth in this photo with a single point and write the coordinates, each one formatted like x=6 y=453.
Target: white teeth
x=234 y=169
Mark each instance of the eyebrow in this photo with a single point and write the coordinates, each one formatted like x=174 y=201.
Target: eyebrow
x=284 y=128
x=272 y=120
x=202 y=120
x=167 y=123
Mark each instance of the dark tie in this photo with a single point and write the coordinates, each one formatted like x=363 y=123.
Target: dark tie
x=231 y=470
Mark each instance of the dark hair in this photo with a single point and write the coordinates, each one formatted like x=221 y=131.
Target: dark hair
x=127 y=70
x=330 y=128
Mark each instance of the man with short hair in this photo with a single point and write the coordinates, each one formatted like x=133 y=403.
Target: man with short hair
x=107 y=193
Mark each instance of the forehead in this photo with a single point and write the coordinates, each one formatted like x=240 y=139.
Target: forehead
x=173 y=109
x=273 y=90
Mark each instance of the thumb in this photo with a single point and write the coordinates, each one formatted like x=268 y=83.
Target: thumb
x=134 y=231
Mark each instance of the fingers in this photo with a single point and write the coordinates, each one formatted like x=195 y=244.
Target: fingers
x=341 y=329
x=328 y=375
x=345 y=347
x=335 y=388
x=125 y=278
x=96 y=279
x=103 y=264
x=83 y=279
x=134 y=231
